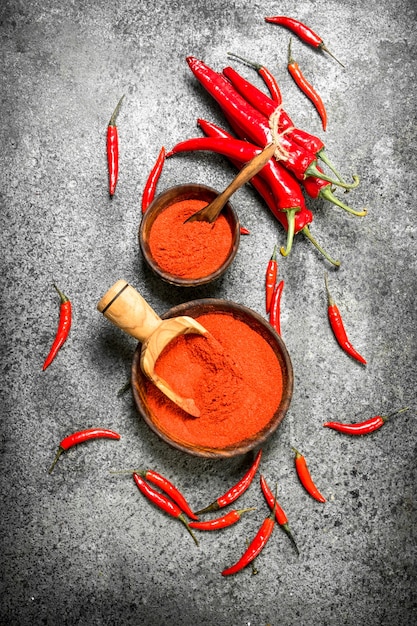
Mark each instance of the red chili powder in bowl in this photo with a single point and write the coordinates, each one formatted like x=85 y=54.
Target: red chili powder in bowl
x=236 y=383
x=192 y=250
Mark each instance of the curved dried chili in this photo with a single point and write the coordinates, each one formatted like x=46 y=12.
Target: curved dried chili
x=338 y=328
x=275 y=310
x=304 y=475
x=64 y=325
x=305 y=33
x=230 y=518
x=306 y=87
x=365 y=427
x=237 y=490
x=270 y=278
x=152 y=180
x=80 y=437
x=113 y=149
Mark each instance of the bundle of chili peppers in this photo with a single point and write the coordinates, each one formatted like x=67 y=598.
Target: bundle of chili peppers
x=283 y=181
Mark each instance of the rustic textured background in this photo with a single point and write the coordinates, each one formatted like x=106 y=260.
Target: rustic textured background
x=81 y=546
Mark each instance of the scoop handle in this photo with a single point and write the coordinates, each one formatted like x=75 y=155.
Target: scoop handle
x=126 y=309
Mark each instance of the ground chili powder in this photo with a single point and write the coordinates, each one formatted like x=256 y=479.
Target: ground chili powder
x=191 y=250
x=237 y=385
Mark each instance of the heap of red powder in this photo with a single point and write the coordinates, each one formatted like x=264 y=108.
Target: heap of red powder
x=191 y=250
x=236 y=384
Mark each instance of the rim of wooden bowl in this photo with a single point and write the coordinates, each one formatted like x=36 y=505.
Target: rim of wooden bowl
x=257 y=323
x=191 y=191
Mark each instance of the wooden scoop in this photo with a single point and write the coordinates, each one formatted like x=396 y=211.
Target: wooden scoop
x=211 y=212
x=126 y=308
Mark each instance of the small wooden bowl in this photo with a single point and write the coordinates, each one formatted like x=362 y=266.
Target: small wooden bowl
x=264 y=329
x=172 y=196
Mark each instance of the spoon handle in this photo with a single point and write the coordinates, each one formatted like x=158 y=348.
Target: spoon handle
x=126 y=309
x=211 y=212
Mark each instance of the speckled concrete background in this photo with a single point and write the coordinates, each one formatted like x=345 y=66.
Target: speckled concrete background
x=80 y=546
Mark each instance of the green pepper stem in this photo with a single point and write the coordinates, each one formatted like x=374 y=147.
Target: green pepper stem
x=290 y=230
x=328 y=194
x=307 y=233
x=286 y=528
x=330 y=300
x=386 y=417
x=325 y=49
x=54 y=462
x=256 y=66
x=62 y=296
x=313 y=170
x=115 y=113
x=182 y=519
x=323 y=157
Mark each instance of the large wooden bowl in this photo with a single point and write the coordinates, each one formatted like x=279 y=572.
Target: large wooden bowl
x=166 y=199
x=265 y=330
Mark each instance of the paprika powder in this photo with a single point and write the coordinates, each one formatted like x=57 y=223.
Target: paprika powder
x=192 y=250
x=234 y=377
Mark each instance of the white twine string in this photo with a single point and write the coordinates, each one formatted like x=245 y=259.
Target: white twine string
x=281 y=153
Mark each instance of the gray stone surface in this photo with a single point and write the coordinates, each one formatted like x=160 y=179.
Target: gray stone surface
x=81 y=546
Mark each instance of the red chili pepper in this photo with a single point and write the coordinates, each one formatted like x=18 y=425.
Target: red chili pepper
x=244 y=231
x=256 y=546
x=113 y=149
x=81 y=436
x=221 y=522
x=305 y=33
x=152 y=181
x=298 y=160
x=170 y=489
x=270 y=279
x=64 y=325
x=305 y=477
x=280 y=514
x=162 y=502
x=317 y=188
x=265 y=105
x=237 y=490
x=272 y=197
x=275 y=311
x=306 y=87
x=338 y=328
x=267 y=76
x=363 y=428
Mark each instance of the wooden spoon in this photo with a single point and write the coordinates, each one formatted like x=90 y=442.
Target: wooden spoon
x=211 y=212
x=129 y=311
